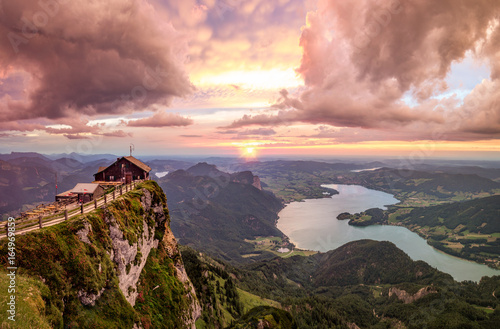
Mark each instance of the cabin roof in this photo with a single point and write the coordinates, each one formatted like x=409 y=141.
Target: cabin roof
x=65 y=193
x=130 y=159
x=81 y=188
x=138 y=163
x=101 y=169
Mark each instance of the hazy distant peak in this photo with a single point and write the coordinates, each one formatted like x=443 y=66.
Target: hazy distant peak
x=205 y=169
x=246 y=177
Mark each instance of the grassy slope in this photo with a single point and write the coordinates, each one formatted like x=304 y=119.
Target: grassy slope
x=265 y=317
x=67 y=265
x=222 y=301
x=30 y=304
x=249 y=301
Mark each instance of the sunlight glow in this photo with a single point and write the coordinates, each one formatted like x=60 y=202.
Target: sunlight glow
x=271 y=79
x=250 y=151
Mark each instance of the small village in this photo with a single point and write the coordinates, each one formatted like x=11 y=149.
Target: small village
x=109 y=183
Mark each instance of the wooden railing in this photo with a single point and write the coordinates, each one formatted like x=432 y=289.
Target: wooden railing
x=32 y=223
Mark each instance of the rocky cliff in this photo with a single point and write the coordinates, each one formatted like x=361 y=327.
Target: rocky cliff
x=117 y=267
x=408 y=298
x=246 y=177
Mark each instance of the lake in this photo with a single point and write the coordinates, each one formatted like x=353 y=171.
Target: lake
x=161 y=174
x=313 y=225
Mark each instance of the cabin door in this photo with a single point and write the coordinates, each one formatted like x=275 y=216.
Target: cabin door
x=128 y=178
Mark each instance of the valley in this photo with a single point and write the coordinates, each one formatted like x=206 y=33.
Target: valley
x=322 y=230
x=257 y=243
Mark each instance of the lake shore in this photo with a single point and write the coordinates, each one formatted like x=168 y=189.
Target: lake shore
x=312 y=225
x=364 y=221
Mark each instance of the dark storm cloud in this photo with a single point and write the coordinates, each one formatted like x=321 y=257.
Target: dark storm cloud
x=89 y=58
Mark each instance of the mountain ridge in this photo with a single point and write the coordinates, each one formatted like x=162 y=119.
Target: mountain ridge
x=218 y=211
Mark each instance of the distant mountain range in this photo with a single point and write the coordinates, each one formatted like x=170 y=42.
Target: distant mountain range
x=83 y=158
x=29 y=178
x=422 y=188
x=274 y=167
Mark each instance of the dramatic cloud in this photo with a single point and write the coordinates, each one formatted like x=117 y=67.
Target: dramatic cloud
x=259 y=132
x=13 y=125
x=88 y=58
x=81 y=129
x=192 y=136
x=363 y=60
x=162 y=119
x=234 y=35
x=76 y=136
x=336 y=71
x=481 y=110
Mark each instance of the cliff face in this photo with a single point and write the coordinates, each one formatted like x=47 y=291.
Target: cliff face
x=408 y=298
x=117 y=267
x=246 y=177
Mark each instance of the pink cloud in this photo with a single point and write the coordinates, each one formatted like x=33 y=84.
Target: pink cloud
x=162 y=119
x=90 y=58
x=76 y=136
x=192 y=136
x=20 y=126
x=362 y=58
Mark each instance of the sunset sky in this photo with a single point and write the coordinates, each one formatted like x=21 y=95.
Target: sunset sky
x=254 y=77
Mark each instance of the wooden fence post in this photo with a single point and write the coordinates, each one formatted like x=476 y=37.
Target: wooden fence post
x=105 y=199
x=114 y=197
x=40 y=221
x=81 y=207
x=95 y=203
x=66 y=214
x=126 y=188
x=121 y=191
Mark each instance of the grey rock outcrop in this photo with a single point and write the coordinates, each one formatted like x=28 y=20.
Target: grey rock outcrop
x=408 y=298
x=130 y=258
